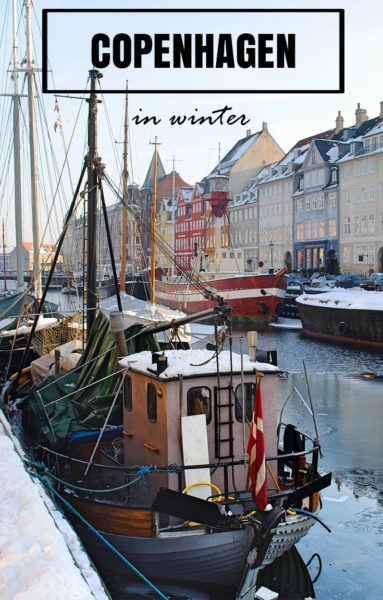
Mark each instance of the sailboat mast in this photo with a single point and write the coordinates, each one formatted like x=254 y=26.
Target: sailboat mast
x=125 y=198
x=91 y=295
x=16 y=158
x=152 y=245
x=4 y=261
x=32 y=151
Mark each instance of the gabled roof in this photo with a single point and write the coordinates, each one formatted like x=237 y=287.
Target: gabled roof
x=236 y=152
x=148 y=183
x=325 y=149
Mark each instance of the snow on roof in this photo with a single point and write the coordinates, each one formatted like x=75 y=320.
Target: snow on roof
x=345 y=299
x=235 y=154
x=375 y=130
x=332 y=153
x=191 y=363
x=38 y=546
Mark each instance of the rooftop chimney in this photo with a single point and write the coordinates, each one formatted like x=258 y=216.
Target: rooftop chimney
x=360 y=115
x=264 y=126
x=248 y=132
x=381 y=110
x=339 y=123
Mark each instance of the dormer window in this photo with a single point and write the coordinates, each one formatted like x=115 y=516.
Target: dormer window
x=313 y=157
x=367 y=145
x=334 y=176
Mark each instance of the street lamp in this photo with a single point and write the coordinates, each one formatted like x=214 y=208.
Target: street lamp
x=271 y=245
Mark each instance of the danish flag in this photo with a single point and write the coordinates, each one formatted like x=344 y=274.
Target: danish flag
x=256 y=452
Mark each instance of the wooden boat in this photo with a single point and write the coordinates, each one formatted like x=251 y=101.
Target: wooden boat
x=353 y=317
x=166 y=484
x=253 y=298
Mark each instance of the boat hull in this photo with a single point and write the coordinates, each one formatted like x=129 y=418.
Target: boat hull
x=363 y=328
x=254 y=298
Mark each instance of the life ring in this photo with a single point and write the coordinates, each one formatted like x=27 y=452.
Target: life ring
x=342 y=328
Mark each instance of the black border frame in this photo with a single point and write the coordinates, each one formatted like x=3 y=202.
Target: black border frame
x=339 y=11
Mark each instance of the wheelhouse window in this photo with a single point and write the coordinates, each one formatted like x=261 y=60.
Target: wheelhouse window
x=152 y=402
x=128 y=393
x=250 y=389
x=199 y=402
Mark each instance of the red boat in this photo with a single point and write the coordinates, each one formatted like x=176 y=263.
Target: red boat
x=252 y=297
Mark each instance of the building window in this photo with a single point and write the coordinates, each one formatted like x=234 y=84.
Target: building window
x=357 y=169
x=346 y=197
x=367 y=145
x=371 y=223
x=371 y=165
x=300 y=231
x=347 y=225
x=356 y=224
x=332 y=227
x=151 y=396
x=250 y=389
x=199 y=402
x=364 y=193
x=347 y=171
x=357 y=194
x=332 y=199
x=363 y=227
x=364 y=167
x=321 y=229
x=372 y=192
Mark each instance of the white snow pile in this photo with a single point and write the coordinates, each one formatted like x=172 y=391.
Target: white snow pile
x=191 y=362
x=35 y=560
x=345 y=299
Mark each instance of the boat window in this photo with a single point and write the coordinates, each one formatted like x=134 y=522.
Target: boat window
x=199 y=402
x=152 y=402
x=250 y=389
x=128 y=393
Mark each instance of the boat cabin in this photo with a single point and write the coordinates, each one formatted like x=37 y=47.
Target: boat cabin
x=181 y=407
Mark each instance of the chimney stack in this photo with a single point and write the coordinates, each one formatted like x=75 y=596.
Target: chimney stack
x=360 y=115
x=248 y=132
x=264 y=126
x=381 y=110
x=339 y=123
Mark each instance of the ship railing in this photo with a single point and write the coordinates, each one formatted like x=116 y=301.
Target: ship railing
x=114 y=480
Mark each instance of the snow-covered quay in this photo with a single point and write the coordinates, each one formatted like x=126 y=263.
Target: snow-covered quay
x=40 y=554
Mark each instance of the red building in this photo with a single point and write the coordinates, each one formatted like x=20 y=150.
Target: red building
x=189 y=226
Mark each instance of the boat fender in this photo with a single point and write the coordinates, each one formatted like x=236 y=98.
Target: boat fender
x=342 y=328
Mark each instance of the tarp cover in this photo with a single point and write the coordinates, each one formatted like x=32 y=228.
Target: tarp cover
x=50 y=415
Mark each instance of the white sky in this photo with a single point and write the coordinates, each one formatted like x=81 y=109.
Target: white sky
x=289 y=116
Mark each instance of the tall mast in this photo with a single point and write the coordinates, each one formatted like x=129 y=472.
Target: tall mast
x=32 y=151
x=4 y=261
x=152 y=245
x=125 y=198
x=16 y=158
x=91 y=295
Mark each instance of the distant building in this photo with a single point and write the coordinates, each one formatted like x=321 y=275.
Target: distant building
x=47 y=252
x=247 y=157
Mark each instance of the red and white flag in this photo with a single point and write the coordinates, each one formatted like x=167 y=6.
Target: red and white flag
x=256 y=452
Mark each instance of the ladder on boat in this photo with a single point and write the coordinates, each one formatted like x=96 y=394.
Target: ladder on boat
x=224 y=419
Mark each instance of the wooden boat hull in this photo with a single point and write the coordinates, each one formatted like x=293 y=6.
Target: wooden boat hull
x=190 y=556
x=362 y=328
x=254 y=298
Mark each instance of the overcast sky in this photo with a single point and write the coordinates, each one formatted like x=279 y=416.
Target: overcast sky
x=289 y=116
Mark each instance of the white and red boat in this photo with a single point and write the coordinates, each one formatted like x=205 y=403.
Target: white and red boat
x=219 y=270
x=252 y=297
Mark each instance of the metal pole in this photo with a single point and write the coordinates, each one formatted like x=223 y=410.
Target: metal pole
x=33 y=158
x=16 y=159
x=124 y=198
x=153 y=226
x=91 y=294
x=109 y=238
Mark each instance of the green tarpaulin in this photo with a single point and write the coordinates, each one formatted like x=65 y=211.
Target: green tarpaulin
x=50 y=415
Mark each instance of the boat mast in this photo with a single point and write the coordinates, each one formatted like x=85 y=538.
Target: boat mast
x=152 y=245
x=4 y=261
x=124 y=198
x=16 y=158
x=91 y=293
x=30 y=70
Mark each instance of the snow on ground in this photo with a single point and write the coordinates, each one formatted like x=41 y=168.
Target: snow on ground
x=35 y=560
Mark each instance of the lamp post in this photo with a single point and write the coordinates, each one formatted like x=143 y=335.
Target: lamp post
x=271 y=245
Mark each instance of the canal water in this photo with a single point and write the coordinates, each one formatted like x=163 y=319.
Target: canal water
x=349 y=413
